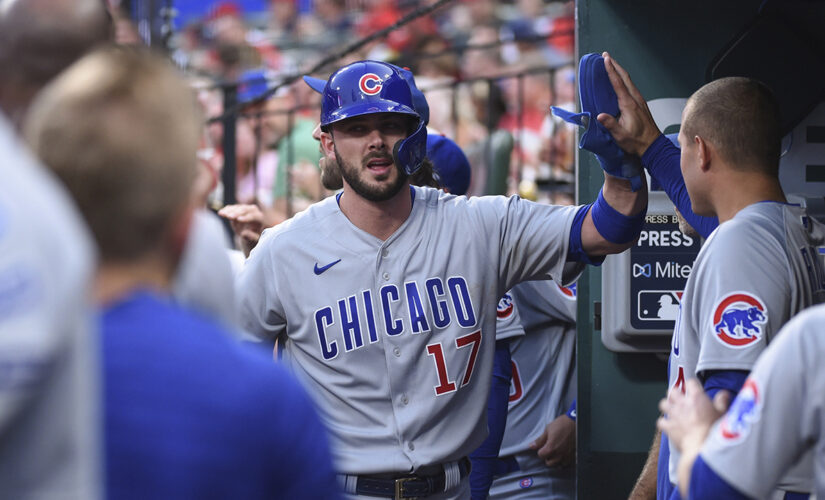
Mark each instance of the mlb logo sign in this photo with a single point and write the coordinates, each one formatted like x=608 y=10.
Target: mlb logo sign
x=738 y=319
x=659 y=305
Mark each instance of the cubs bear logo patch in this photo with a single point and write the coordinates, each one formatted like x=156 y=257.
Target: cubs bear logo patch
x=568 y=291
x=739 y=319
x=744 y=411
x=505 y=306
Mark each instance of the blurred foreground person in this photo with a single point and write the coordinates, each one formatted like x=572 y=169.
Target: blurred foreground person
x=48 y=387
x=188 y=412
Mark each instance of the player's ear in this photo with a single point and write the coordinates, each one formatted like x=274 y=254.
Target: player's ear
x=704 y=151
x=328 y=144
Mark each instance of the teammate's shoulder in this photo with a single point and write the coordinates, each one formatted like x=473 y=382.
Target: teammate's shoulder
x=754 y=222
x=312 y=219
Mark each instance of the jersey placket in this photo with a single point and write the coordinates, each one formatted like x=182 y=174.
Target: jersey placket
x=396 y=352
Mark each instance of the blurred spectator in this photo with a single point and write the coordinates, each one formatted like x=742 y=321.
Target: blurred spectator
x=282 y=27
x=30 y=31
x=528 y=98
x=537 y=32
x=559 y=150
x=49 y=390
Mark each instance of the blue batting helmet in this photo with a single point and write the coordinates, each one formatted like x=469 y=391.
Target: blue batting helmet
x=419 y=101
x=368 y=87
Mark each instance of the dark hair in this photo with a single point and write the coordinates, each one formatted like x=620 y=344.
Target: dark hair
x=424 y=175
x=740 y=116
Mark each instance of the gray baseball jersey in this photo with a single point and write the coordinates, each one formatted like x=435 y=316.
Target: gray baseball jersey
x=778 y=415
x=753 y=274
x=204 y=279
x=508 y=318
x=395 y=339
x=543 y=387
x=49 y=422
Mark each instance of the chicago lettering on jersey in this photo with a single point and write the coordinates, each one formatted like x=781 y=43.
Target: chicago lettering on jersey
x=357 y=319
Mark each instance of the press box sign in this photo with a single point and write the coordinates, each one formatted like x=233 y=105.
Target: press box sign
x=660 y=264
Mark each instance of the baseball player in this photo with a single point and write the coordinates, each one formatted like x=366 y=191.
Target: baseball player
x=383 y=295
x=542 y=407
x=452 y=170
x=757 y=269
x=48 y=395
x=776 y=417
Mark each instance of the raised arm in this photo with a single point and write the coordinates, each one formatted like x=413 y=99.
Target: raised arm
x=615 y=219
x=636 y=133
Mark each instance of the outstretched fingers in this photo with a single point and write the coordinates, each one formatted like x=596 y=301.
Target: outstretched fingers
x=627 y=84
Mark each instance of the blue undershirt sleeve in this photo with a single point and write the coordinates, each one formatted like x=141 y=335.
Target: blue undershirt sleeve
x=571 y=412
x=704 y=483
x=662 y=160
x=714 y=381
x=485 y=457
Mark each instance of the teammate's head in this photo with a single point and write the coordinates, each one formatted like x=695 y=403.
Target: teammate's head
x=452 y=169
x=740 y=118
x=684 y=225
x=121 y=128
x=39 y=39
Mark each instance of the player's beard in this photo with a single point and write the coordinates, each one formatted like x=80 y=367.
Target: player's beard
x=330 y=174
x=381 y=192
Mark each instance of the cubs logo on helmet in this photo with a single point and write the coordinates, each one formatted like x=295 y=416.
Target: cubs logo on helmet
x=744 y=411
x=370 y=84
x=739 y=319
x=568 y=291
x=505 y=306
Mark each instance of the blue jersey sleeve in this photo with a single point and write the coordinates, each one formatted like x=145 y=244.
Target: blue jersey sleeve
x=704 y=483
x=575 y=251
x=662 y=162
x=664 y=488
x=300 y=443
x=727 y=380
x=485 y=458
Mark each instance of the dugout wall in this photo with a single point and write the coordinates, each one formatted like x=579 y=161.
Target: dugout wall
x=670 y=50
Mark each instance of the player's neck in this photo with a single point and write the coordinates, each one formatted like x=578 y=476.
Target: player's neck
x=378 y=218
x=115 y=280
x=748 y=188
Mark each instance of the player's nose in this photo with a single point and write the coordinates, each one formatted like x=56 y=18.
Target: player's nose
x=375 y=139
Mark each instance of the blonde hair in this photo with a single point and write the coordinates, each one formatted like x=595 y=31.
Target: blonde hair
x=120 y=128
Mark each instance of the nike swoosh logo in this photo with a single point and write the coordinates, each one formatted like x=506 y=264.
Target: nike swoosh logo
x=319 y=270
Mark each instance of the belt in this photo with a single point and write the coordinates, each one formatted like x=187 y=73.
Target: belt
x=409 y=485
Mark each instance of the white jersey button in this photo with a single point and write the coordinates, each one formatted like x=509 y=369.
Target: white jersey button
x=405 y=399
x=385 y=252
x=386 y=276
x=411 y=446
x=396 y=351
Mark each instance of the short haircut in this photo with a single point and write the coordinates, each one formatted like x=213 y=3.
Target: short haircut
x=740 y=116
x=120 y=128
